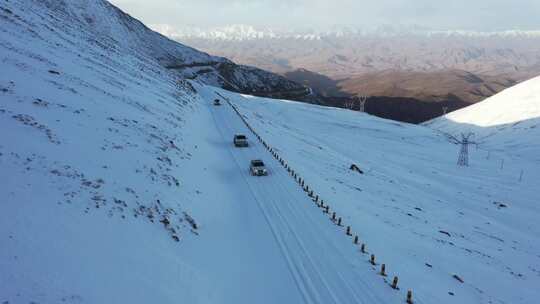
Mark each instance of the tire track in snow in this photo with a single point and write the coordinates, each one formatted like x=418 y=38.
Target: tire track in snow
x=266 y=185
x=305 y=280
x=295 y=272
x=295 y=209
x=300 y=212
x=344 y=288
x=294 y=206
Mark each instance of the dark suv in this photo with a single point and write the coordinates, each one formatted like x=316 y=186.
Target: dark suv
x=240 y=140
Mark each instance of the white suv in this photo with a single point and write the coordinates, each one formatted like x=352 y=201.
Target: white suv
x=257 y=168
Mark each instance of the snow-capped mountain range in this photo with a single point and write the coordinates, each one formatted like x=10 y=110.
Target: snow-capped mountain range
x=120 y=182
x=347 y=52
x=241 y=32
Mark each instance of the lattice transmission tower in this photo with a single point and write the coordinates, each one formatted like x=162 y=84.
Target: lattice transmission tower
x=463 y=159
x=357 y=100
x=362 y=102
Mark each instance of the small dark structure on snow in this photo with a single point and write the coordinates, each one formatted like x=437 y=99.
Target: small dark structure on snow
x=355 y=168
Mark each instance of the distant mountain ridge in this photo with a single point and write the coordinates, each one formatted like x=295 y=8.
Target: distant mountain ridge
x=429 y=86
x=408 y=96
x=240 y=32
x=347 y=52
x=398 y=65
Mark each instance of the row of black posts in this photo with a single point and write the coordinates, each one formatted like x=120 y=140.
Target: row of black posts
x=318 y=202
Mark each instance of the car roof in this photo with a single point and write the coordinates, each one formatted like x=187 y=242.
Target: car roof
x=239 y=135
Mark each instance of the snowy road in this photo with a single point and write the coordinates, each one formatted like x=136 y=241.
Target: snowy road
x=325 y=265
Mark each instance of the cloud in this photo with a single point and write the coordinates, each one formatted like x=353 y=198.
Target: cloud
x=456 y=14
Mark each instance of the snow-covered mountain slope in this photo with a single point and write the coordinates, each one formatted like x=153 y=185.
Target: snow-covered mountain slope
x=120 y=185
x=93 y=143
x=418 y=212
x=508 y=121
x=106 y=26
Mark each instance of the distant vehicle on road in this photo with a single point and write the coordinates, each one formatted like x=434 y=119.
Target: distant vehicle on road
x=240 y=140
x=217 y=102
x=257 y=168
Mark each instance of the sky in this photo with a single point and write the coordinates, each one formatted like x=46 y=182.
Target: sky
x=479 y=15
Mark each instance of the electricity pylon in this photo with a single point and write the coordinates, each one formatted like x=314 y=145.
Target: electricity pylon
x=362 y=101
x=463 y=159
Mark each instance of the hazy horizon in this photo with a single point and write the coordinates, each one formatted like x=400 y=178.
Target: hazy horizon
x=475 y=15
